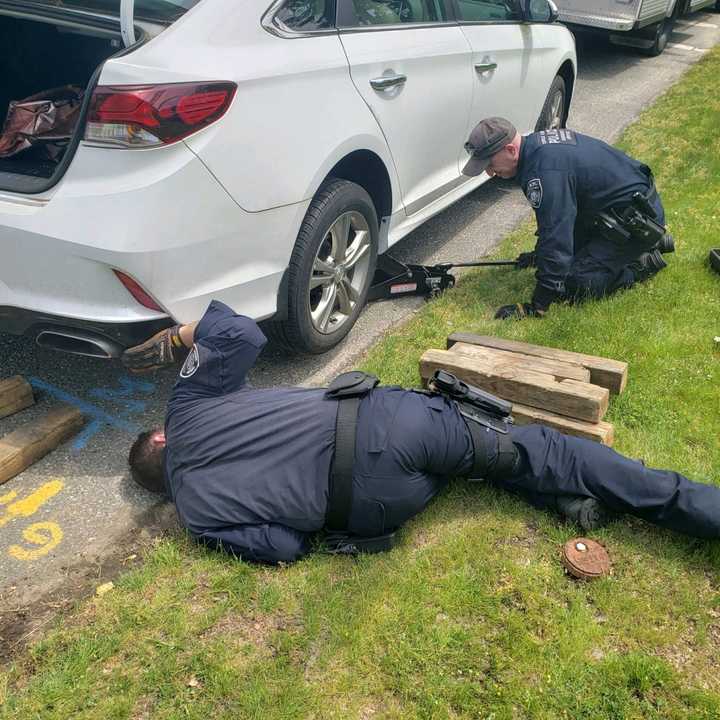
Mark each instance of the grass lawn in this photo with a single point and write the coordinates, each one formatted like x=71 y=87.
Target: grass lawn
x=472 y=616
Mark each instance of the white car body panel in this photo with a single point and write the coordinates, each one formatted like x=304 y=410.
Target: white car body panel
x=424 y=138
x=295 y=111
x=522 y=52
x=217 y=215
x=401 y=224
x=167 y=223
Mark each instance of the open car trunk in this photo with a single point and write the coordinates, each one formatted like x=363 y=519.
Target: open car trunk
x=50 y=44
x=39 y=56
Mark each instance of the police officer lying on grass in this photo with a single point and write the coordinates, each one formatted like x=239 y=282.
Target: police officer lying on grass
x=250 y=470
x=600 y=222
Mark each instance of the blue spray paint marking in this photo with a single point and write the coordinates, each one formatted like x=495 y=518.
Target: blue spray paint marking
x=129 y=386
x=99 y=417
x=81 y=439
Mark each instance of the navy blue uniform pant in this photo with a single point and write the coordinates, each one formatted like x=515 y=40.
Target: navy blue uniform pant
x=409 y=445
x=600 y=266
x=553 y=464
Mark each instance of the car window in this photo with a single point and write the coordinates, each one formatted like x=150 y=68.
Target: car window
x=362 y=13
x=307 y=15
x=488 y=10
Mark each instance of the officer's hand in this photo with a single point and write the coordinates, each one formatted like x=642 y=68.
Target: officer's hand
x=526 y=260
x=162 y=349
x=518 y=311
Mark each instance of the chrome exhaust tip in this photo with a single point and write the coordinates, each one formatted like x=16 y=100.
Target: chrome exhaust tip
x=78 y=342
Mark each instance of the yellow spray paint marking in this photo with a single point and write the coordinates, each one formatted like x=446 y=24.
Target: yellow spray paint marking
x=31 y=504
x=8 y=497
x=45 y=534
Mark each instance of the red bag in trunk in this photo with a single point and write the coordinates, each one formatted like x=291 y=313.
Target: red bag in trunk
x=47 y=117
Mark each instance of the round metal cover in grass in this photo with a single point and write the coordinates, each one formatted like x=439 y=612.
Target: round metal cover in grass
x=585 y=559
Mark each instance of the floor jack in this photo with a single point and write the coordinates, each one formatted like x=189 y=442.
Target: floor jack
x=395 y=279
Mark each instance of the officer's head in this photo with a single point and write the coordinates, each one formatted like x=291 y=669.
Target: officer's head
x=146 y=460
x=494 y=147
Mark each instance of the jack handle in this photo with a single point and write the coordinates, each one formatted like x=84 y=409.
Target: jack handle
x=483 y=263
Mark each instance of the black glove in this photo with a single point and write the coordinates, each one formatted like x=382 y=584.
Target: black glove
x=526 y=260
x=518 y=311
x=162 y=349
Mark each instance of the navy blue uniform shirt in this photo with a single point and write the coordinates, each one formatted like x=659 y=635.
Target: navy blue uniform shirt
x=248 y=468
x=568 y=177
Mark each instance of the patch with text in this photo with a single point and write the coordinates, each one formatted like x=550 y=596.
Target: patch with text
x=534 y=192
x=191 y=364
x=559 y=136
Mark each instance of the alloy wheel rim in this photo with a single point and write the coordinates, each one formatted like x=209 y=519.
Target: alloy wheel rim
x=556 y=111
x=339 y=272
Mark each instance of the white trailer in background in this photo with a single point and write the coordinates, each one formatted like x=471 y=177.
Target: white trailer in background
x=645 y=24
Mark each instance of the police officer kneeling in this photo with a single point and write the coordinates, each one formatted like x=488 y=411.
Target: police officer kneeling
x=259 y=472
x=600 y=222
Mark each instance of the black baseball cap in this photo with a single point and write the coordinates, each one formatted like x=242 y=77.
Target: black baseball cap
x=488 y=137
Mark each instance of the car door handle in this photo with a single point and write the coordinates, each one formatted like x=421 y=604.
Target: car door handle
x=386 y=82
x=485 y=67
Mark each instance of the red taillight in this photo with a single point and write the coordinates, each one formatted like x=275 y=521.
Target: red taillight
x=148 y=115
x=137 y=291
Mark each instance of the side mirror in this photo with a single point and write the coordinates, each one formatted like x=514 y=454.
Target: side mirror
x=544 y=11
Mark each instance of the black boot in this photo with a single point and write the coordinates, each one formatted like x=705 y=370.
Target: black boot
x=588 y=513
x=715 y=259
x=647 y=265
x=666 y=245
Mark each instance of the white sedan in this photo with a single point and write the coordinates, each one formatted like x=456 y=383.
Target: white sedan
x=259 y=155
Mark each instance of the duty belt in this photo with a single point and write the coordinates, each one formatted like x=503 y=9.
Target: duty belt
x=483 y=413
x=349 y=389
x=635 y=221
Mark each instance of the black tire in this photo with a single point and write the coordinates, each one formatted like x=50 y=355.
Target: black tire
x=554 y=111
x=335 y=199
x=662 y=32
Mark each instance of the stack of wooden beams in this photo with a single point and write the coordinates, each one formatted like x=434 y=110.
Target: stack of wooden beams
x=33 y=440
x=565 y=390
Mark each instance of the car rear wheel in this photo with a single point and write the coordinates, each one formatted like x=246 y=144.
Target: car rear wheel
x=331 y=268
x=554 y=112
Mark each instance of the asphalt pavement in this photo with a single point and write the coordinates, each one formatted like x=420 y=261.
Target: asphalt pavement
x=78 y=504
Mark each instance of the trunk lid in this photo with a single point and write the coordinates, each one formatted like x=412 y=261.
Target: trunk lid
x=161 y=11
x=103 y=14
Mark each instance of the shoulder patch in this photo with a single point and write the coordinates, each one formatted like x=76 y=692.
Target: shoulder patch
x=557 y=137
x=191 y=364
x=534 y=192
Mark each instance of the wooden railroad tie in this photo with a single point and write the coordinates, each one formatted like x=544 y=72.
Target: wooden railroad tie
x=570 y=398
x=564 y=390
x=15 y=395
x=607 y=373
x=35 y=439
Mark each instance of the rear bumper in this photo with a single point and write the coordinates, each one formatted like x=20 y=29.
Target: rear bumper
x=157 y=215
x=18 y=321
